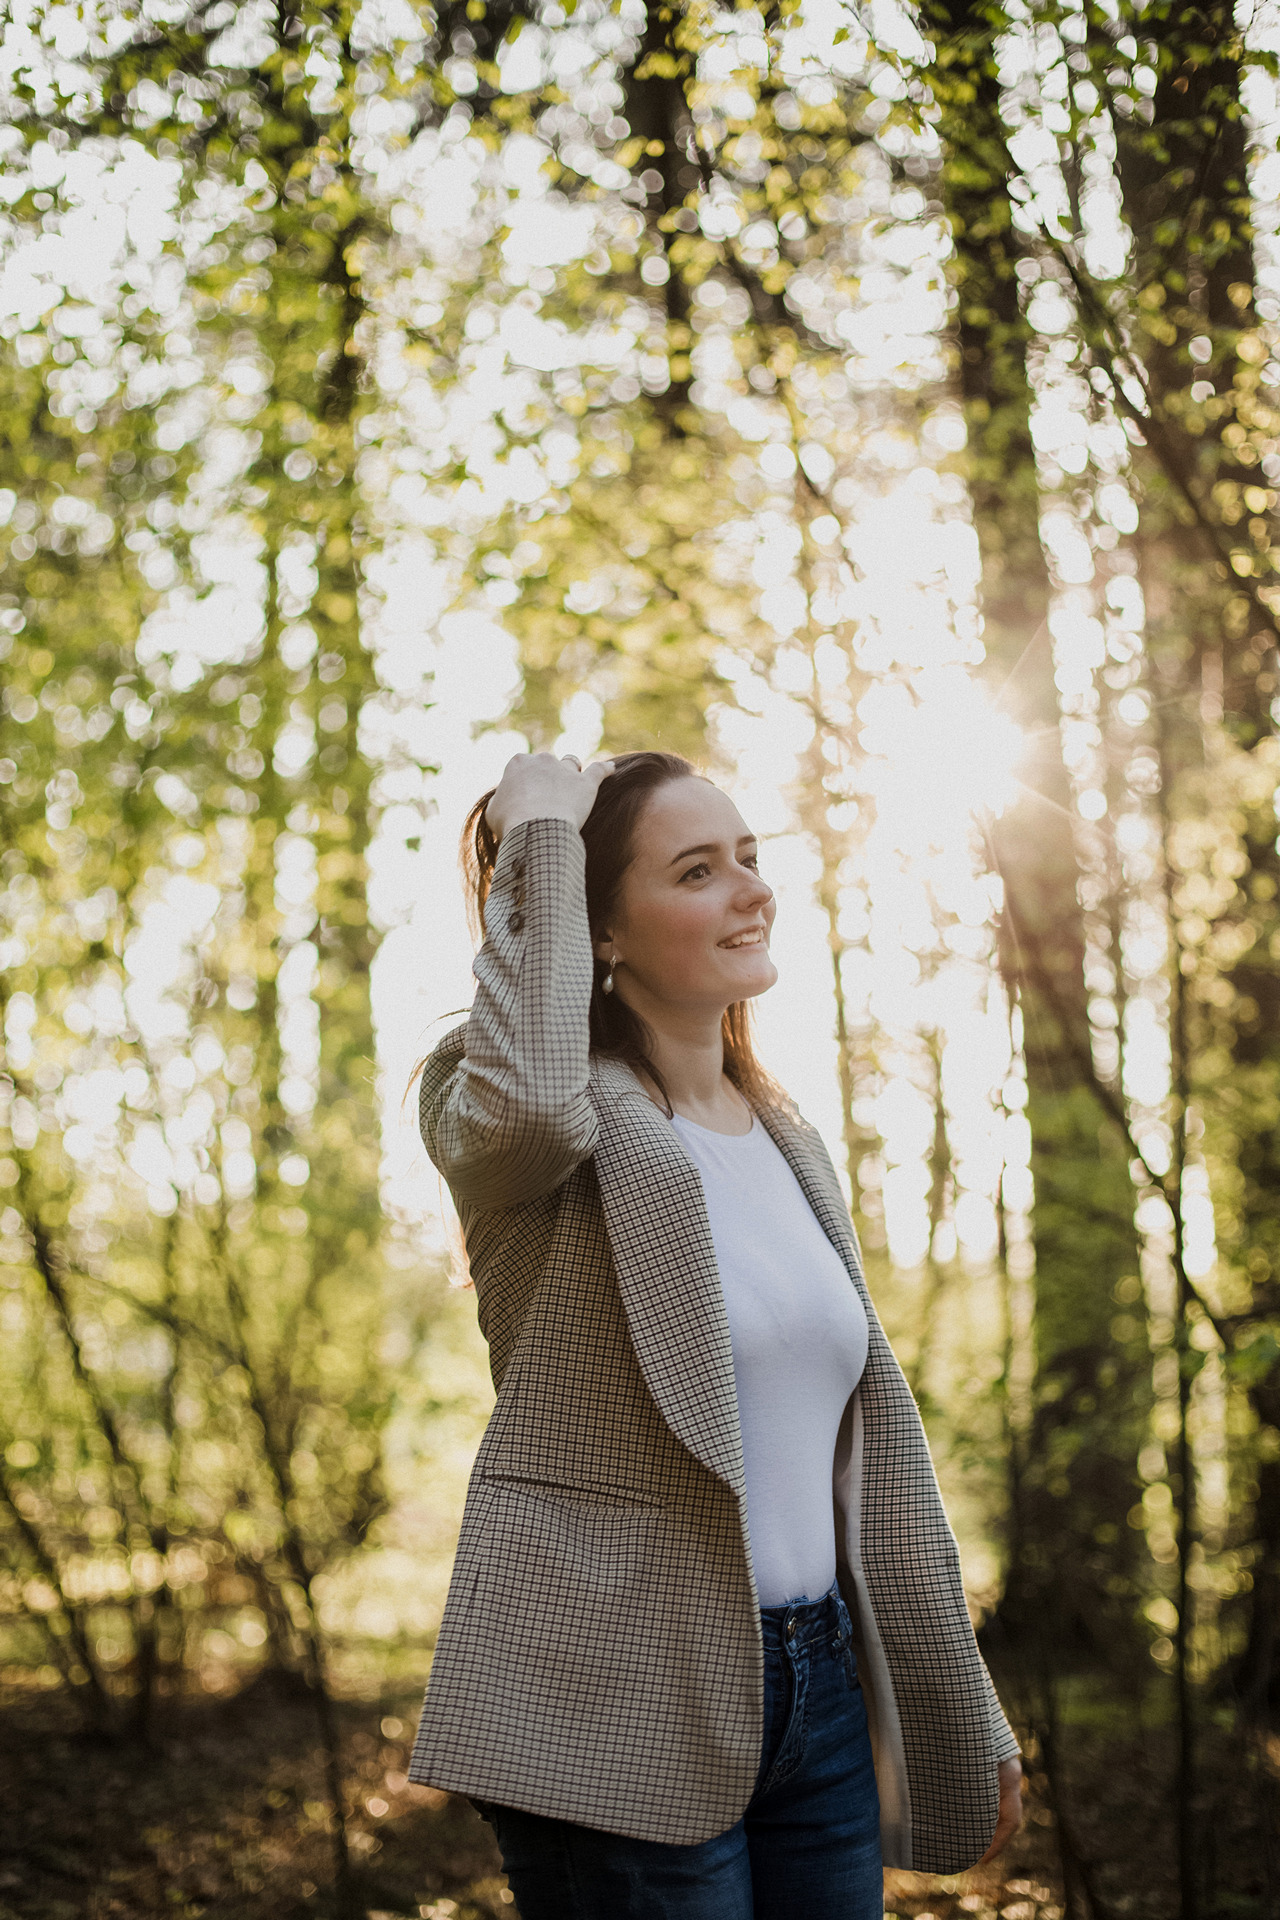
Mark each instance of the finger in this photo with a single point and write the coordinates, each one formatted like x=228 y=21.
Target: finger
x=599 y=770
x=572 y=760
x=1006 y=1827
x=999 y=1841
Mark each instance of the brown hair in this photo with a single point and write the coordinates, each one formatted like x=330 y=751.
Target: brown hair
x=608 y=833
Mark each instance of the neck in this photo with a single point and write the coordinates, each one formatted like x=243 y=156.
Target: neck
x=687 y=1049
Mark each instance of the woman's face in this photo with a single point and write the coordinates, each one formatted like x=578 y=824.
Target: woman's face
x=691 y=928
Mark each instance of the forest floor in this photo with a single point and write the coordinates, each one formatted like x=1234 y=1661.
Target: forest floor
x=223 y=1818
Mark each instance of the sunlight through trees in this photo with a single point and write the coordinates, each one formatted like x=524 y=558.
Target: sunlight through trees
x=880 y=405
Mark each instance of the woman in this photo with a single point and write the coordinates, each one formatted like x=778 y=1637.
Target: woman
x=704 y=1573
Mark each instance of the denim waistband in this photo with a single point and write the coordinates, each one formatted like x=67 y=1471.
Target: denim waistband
x=799 y=1623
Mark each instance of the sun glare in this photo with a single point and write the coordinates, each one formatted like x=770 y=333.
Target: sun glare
x=868 y=656
x=904 y=719
x=947 y=755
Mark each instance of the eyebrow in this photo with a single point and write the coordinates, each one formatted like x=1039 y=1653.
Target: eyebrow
x=713 y=846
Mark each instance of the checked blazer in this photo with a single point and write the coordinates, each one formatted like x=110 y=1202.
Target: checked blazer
x=600 y=1656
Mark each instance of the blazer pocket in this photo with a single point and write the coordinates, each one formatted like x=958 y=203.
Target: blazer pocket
x=593 y=1497
x=567 y=1582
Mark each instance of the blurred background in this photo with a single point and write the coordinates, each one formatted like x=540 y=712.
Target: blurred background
x=880 y=405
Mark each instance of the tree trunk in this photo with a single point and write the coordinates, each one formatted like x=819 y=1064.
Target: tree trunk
x=1184 y=185
x=1081 y=1479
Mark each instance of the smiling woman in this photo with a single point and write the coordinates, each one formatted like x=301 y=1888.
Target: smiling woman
x=686 y=940
x=652 y=887
x=677 y=1675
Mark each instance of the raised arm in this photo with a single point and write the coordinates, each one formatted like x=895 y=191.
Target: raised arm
x=510 y=1118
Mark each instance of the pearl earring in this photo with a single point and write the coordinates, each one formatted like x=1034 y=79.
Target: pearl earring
x=606 y=985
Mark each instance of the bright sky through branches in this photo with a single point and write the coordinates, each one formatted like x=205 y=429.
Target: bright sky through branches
x=936 y=755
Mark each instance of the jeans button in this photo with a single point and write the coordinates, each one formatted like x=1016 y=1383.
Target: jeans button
x=791 y=1626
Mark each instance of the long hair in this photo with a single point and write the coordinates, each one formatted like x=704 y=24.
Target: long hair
x=608 y=834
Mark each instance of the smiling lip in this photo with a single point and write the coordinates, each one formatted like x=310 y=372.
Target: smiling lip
x=750 y=937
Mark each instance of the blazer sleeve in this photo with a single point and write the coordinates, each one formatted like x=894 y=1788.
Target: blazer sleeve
x=1003 y=1738
x=511 y=1120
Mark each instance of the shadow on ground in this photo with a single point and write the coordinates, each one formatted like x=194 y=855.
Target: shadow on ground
x=224 y=1817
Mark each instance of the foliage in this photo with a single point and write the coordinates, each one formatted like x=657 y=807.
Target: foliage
x=195 y=1389
x=653 y=461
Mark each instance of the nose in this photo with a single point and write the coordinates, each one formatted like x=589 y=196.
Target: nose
x=756 y=892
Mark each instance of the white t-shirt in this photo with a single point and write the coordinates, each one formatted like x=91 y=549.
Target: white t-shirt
x=799 y=1336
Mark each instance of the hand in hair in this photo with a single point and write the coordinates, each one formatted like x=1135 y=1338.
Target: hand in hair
x=537 y=786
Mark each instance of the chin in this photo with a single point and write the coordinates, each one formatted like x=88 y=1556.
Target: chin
x=755 y=981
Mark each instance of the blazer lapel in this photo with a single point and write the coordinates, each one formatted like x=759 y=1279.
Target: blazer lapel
x=813 y=1170
x=657 y=1221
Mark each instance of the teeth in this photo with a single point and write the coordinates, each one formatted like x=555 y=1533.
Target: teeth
x=743 y=940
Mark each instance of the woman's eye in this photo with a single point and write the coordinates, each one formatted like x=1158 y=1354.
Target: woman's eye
x=696 y=872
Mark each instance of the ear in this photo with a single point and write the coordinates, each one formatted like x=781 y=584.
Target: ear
x=603 y=947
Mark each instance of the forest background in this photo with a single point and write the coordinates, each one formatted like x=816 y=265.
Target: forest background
x=880 y=405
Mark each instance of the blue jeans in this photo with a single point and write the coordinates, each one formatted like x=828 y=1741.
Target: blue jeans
x=808 y=1845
